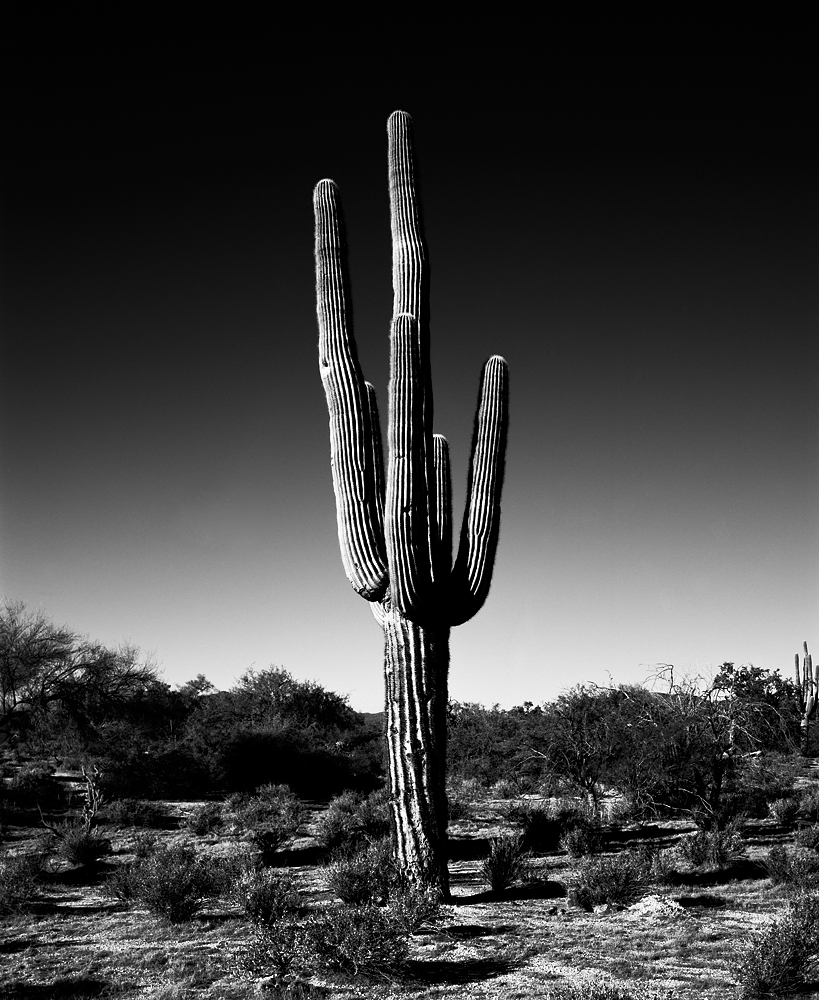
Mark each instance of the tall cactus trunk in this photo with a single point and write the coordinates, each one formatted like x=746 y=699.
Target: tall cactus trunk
x=395 y=526
x=416 y=665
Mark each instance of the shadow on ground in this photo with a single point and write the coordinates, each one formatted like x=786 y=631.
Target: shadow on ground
x=60 y=989
x=703 y=900
x=535 y=890
x=739 y=871
x=468 y=932
x=473 y=970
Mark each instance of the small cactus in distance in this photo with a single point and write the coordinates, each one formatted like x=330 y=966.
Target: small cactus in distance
x=395 y=527
x=807 y=693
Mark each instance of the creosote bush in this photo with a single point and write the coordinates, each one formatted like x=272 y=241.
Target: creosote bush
x=134 y=812
x=171 y=882
x=353 y=819
x=364 y=877
x=622 y=878
x=797 y=868
x=77 y=844
x=581 y=840
x=359 y=941
x=809 y=805
x=784 y=811
x=783 y=956
x=712 y=848
x=205 y=819
x=808 y=837
x=19 y=875
x=508 y=862
x=267 y=897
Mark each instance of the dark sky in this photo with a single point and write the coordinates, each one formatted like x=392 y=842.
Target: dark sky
x=627 y=212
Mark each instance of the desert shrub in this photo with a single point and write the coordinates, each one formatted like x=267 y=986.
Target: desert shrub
x=364 y=877
x=541 y=830
x=120 y=884
x=784 y=811
x=581 y=840
x=76 y=843
x=712 y=848
x=413 y=907
x=619 y=879
x=277 y=951
x=508 y=862
x=352 y=819
x=134 y=812
x=144 y=844
x=18 y=881
x=271 y=817
x=173 y=882
x=809 y=804
x=783 y=956
x=797 y=868
x=808 y=837
x=205 y=819
x=34 y=785
x=505 y=788
x=267 y=897
x=360 y=941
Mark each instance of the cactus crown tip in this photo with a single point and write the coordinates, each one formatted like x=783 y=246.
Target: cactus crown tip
x=324 y=184
x=398 y=115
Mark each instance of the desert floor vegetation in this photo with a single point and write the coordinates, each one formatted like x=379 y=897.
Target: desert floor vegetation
x=645 y=914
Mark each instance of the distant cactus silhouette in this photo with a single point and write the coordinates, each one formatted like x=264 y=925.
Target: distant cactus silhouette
x=807 y=693
x=395 y=531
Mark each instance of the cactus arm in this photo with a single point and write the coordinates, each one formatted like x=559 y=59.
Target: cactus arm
x=351 y=437
x=472 y=573
x=407 y=509
x=442 y=564
x=799 y=693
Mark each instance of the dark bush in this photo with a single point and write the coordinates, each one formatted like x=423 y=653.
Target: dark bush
x=134 y=812
x=365 y=877
x=76 y=843
x=33 y=786
x=353 y=819
x=173 y=882
x=784 y=811
x=19 y=875
x=619 y=879
x=809 y=805
x=581 y=840
x=712 y=848
x=808 y=837
x=797 y=868
x=205 y=819
x=413 y=907
x=782 y=957
x=508 y=862
x=267 y=897
x=359 y=941
x=540 y=829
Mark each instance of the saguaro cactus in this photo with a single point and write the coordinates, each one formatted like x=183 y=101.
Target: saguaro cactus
x=807 y=693
x=396 y=531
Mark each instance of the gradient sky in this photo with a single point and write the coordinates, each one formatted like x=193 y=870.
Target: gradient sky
x=635 y=234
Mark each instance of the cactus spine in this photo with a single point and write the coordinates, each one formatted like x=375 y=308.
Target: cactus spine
x=807 y=693
x=395 y=530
